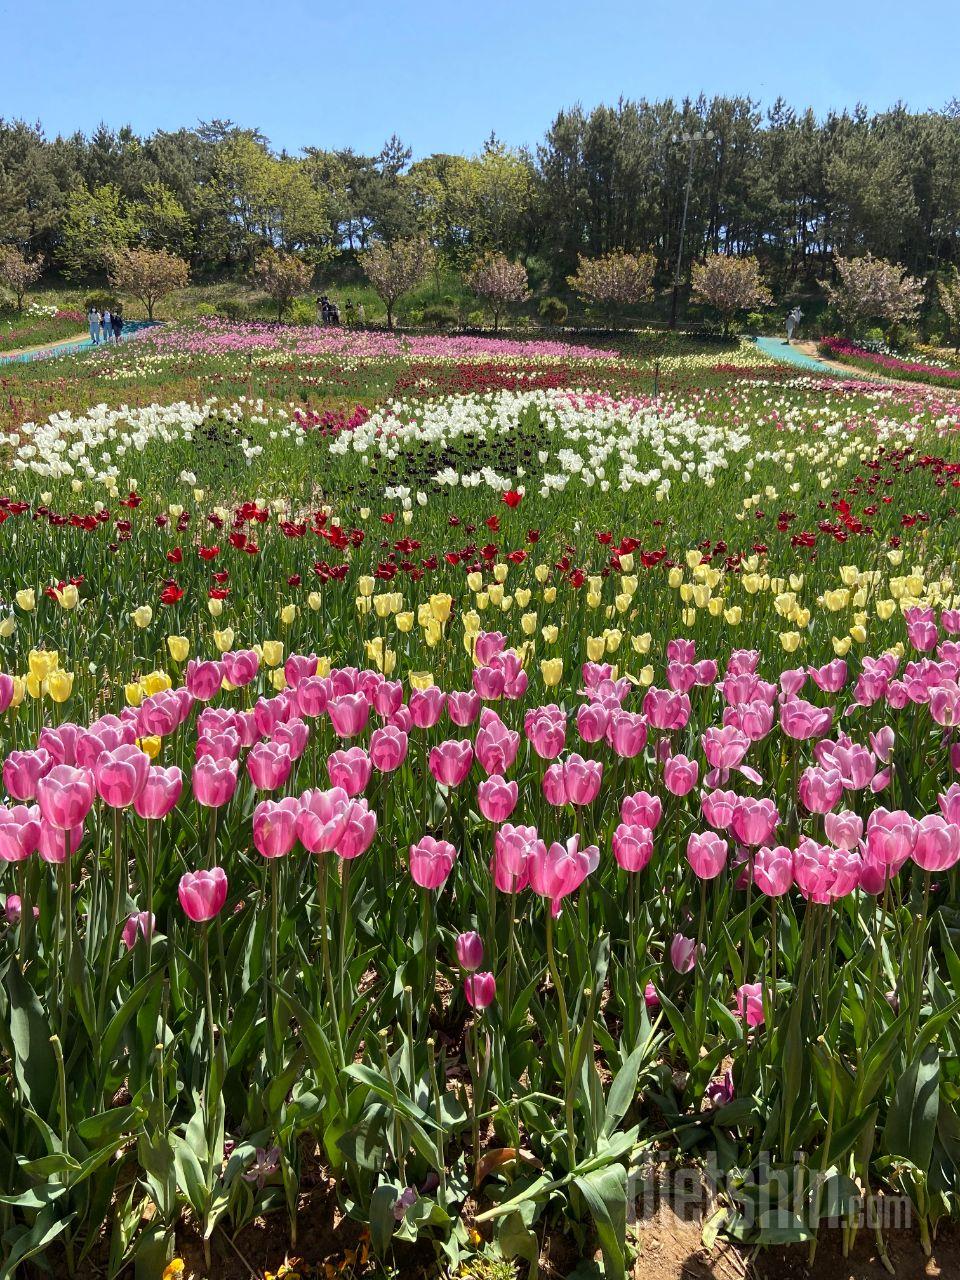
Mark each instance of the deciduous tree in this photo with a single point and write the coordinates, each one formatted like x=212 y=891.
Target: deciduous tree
x=282 y=276
x=395 y=269
x=18 y=273
x=871 y=288
x=729 y=284
x=949 y=293
x=615 y=281
x=499 y=282
x=149 y=274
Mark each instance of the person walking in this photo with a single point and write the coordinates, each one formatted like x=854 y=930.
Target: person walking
x=361 y=315
x=116 y=324
x=93 y=320
x=105 y=326
x=793 y=319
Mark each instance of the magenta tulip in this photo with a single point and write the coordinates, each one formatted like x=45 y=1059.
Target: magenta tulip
x=480 y=989
x=469 y=951
x=388 y=748
x=431 y=861
x=707 y=854
x=275 y=826
x=120 y=775
x=65 y=796
x=322 y=819
x=632 y=846
x=214 y=781
x=160 y=792
x=450 y=762
x=350 y=769
x=203 y=893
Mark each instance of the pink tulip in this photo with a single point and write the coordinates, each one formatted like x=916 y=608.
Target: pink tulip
x=949 y=803
x=707 y=854
x=726 y=747
x=214 y=781
x=546 y=730
x=222 y=745
x=22 y=770
x=240 y=666
x=426 y=706
x=269 y=712
x=627 y=734
x=561 y=869
x=65 y=796
x=830 y=678
x=718 y=808
x=641 y=810
x=61 y=742
x=823 y=874
x=489 y=683
x=469 y=951
x=480 y=989
x=322 y=819
x=488 y=645
x=160 y=792
x=349 y=714
x=743 y=662
x=450 y=762
x=358 y=830
x=463 y=707
x=665 y=709
x=120 y=775
x=843 y=829
x=680 y=775
x=142 y=923
x=755 y=719
x=882 y=744
x=937 y=846
x=593 y=720
x=497 y=798
x=294 y=735
x=313 y=696
x=681 y=676
x=750 y=1003
x=431 y=861
x=773 y=870
x=650 y=997
x=512 y=849
x=299 y=667
x=388 y=698
x=275 y=826
x=204 y=679
x=684 y=953
x=6 y=691
x=890 y=836
x=573 y=781
x=54 y=843
x=632 y=846
x=388 y=748
x=350 y=770
x=754 y=821
x=802 y=720
x=819 y=789
x=680 y=649
x=19 y=832
x=495 y=745
x=203 y=893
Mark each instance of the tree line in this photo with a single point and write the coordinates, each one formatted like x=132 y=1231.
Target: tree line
x=795 y=191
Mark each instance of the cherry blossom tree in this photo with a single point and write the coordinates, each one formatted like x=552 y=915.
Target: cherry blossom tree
x=871 y=288
x=615 y=281
x=394 y=269
x=949 y=294
x=18 y=273
x=729 y=284
x=499 y=282
x=282 y=276
x=149 y=274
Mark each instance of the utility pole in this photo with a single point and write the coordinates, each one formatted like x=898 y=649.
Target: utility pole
x=692 y=141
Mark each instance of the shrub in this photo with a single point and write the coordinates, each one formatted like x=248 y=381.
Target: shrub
x=439 y=315
x=553 y=311
x=234 y=309
x=206 y=310
x=755 y=322
x=476 y=319
x=303 y=311
x=101 y=299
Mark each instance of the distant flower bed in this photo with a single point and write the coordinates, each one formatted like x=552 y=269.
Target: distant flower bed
x=886 y=361
x=37 y=325
x=216 y=337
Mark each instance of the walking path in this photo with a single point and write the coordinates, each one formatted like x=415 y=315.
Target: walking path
x=62 y=348
x=789 y=353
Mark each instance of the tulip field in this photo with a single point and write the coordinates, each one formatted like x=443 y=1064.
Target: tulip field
x=461 y=775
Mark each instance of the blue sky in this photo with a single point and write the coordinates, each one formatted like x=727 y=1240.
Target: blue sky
x=442 y=75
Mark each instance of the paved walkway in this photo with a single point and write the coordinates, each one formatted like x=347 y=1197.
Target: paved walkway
x=778 y=349
x=67 y=348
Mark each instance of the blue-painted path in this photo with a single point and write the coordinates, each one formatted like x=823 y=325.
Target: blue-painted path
x=777 y=349
x=75 y=344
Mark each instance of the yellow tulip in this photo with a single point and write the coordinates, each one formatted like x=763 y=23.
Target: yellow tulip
x=155 y=681
x=19 y=689
x=645 y=677
x=522 y=596
x=506 y=604
x=224 y=639
x=68 y=597
x=541 y=573
x=733 y=616
x=613 y=637
x=364 y=605
x=841 y=646
x=314 y=601
x=596 y=648
x=550 y=634
x=686 y=592
x=420 y=679
x=849 y=573
x=751 y=583
x=885 y=609
x=215 y=607
x=551 y=669
x=471 y=622
x=495 y=592
x=675 y=577
x=381 y=604
x=60 y=685
x=324 y=666
x=790 y=640
x=689 y=617
x=26 y=599
x=7 y=627
x=626 y=561
x=441 y=605
x=133 y=693
x=500 y=572
x=482 y=600
x=278 y=679
x=593 y=599
x=433 y=633
x=859 y=633
x=641 y=644
x=549 y=595
x=366 y=585
x=801 y=618
x=895 y=556
x=528 y=623
x=404 y=622
x=475 y=580
x=42 y=661
x=142 y=616
x=150 y=745
x=287 y=614
x=693 y=557
x=179 y=647
x=273 y=652
x=715 y=606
